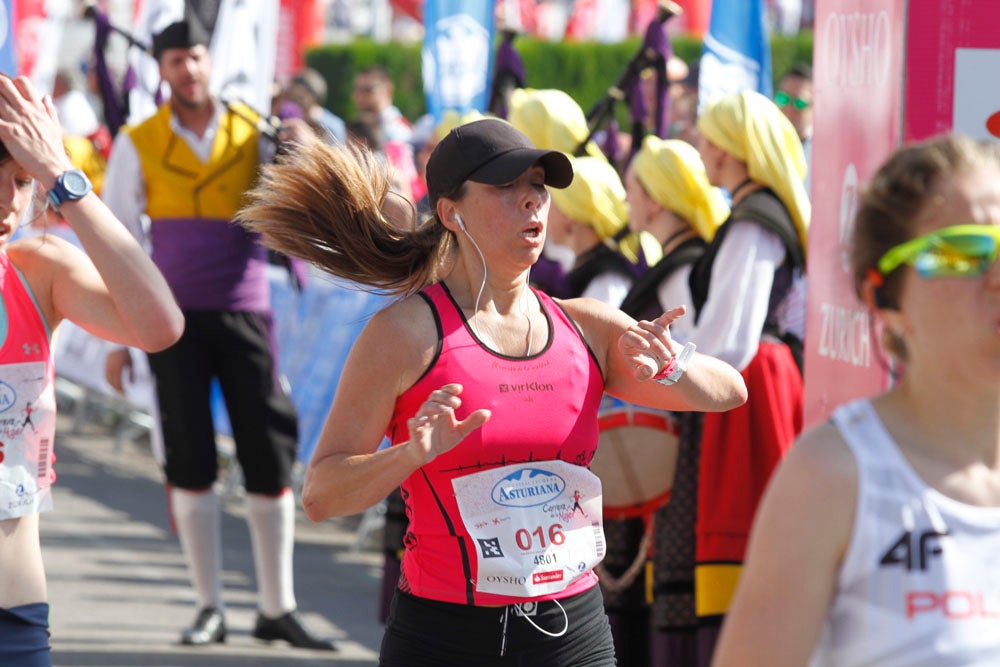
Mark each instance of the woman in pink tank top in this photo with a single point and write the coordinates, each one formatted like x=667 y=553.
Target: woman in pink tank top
x=112 y=290
x=488 y=391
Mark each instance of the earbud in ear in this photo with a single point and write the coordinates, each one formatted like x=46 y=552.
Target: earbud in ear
x=461 y=224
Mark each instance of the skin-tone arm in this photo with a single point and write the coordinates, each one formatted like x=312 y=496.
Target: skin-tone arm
x=346 y=474
x=797 y=544
x=114 y=291
x=622 y=344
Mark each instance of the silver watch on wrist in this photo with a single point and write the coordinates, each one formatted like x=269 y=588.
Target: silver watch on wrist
x=680 y=365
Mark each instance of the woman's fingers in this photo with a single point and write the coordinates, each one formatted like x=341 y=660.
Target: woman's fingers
x=440 y=402
x=671 y=316
x=647 y=344
x=30 y=130
x=474 y=421
x=436 y=429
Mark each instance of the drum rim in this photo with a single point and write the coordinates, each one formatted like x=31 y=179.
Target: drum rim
x=619 y=417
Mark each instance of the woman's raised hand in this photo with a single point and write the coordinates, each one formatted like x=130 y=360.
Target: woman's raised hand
x=434 y=429
x=647 y=345
x=30 y=130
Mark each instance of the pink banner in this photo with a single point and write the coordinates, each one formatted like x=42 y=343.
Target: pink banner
x=858 y=78
x=953 y=68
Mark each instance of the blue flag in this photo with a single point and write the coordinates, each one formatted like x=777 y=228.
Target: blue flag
x=8 y=50
x=457 y=55
x=737 y=51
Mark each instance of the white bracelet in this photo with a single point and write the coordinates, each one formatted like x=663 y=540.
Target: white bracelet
x=680 y=365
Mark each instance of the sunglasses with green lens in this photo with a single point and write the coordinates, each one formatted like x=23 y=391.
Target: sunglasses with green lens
x=961 y=250
x=783 y=99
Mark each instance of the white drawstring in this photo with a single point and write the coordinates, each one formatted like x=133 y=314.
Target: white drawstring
x=543 y=630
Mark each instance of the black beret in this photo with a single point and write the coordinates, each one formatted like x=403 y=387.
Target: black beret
x=179 y=35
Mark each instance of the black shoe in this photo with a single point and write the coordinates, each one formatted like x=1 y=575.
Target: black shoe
x=290 y=629
x=209 y=627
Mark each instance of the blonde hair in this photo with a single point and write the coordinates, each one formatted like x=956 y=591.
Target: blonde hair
x=324 y=204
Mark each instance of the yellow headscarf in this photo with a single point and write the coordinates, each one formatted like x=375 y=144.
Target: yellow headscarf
x=596 y=197
x=673 y=174
x=551 y=119
x=452 y=119
x=750 y=127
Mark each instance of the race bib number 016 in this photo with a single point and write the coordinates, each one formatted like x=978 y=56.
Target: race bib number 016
x=536 y=527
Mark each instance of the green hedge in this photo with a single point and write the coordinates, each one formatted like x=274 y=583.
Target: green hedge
x=585 y=70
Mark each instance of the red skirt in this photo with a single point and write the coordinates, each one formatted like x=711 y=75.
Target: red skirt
x=739 y=451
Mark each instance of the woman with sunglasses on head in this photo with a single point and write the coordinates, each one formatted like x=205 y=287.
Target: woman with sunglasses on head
x=113 y=291
x=878 y=541
x=487 y=389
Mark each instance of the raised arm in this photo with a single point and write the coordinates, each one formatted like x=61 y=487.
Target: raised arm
x=623 y=346
x=348 y=473
x=114 y=290
x=798 y=541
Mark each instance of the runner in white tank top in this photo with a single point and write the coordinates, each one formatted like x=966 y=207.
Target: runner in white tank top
x=920 y=581
x=878 y=540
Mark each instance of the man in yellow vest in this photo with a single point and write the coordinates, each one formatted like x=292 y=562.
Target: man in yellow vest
x=186 y=169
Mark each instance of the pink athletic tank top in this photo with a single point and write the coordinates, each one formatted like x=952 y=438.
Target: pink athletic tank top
x=544 y=407
x=27 y=401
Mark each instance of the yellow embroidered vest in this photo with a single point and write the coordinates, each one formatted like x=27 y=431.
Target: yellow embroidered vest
x=209 y=261
x=179 y=185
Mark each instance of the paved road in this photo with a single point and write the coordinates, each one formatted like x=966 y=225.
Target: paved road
x=118 y=586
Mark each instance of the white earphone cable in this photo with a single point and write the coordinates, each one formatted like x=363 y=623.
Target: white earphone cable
x=482 y=286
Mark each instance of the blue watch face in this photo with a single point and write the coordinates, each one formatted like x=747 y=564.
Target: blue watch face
x=75 y=183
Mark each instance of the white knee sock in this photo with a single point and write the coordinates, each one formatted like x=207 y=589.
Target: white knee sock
x=196 y=515
x=272 y=532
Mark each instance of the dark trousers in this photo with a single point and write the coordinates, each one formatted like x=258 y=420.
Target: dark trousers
x=237 y=349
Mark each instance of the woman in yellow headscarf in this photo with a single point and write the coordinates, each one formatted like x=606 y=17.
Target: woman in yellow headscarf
x=553 y=120
x=586 y=217
x=749 y=294
x=670 y=199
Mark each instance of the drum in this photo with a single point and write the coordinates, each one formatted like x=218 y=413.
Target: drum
x=636 y=457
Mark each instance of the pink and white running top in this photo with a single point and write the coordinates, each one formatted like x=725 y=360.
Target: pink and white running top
x=544 y=408
x=27 y=400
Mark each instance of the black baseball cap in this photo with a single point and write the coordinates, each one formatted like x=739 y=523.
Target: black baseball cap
x=490 y=151
x=179 y=35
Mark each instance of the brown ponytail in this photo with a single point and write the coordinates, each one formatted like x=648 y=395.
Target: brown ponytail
x=324 y=204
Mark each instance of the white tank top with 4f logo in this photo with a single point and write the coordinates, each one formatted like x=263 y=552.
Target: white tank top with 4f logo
x=920 y=582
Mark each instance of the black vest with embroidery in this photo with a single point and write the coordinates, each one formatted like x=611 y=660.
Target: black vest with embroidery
x=597 y=261
x=643 y=302
x=765 y=209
